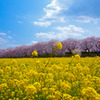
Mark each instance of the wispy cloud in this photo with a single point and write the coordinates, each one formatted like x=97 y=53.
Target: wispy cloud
x=2 y=33
x=13 y=45
x=62 y=33
x=53 y=12
x=70 y=28
x=9 y=37
x=20 y=22
x=87 y=19
x=9 y=31
x=45 y=36
x=2 y=41
x=45 y=23
x=6 y=41
x=33 y=42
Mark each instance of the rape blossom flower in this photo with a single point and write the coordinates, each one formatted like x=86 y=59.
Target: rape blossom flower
x=59 y=46
x=34 y=53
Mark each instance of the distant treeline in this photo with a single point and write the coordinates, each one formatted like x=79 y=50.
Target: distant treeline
x=89 y=47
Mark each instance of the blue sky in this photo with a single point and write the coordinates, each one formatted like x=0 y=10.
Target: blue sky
x=25 y=22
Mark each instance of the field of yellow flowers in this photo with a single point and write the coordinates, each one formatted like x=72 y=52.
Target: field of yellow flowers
x=50 y=78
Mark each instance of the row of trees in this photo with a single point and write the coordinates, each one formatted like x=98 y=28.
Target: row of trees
x=90 y=44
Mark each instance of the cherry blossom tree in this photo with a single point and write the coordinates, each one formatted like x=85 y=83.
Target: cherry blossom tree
x=89 y=44
x=69 y=45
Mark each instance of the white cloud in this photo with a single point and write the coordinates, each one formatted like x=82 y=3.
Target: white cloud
x=20 y=22
x=9 y=31
x=53 y=12
x=45 y=24
x=49 y=35
x=87 y=19
x=9 y=37
x=52 y=9
x=2 y=33
x=2 y=41
x=70 y=28
x=62 y=33
x=56 y=7
x=33 y=42
x=6 y=41
x=13 y=45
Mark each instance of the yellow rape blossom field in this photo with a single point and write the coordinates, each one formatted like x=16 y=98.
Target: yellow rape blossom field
x=50 y=78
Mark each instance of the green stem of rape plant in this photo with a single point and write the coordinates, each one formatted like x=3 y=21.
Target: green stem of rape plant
x=53 y=54
x=35 y=54
x=56 y=47
x=47 y=62
x=35 y=63
x=71 y=61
